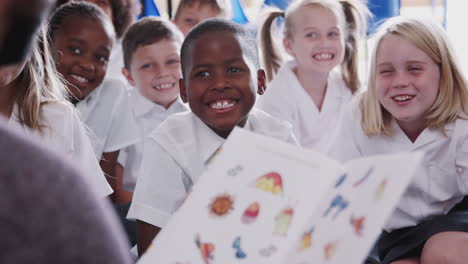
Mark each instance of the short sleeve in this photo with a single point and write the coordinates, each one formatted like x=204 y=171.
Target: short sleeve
x=123 y=157
x=160 y=189
x=84 y=154
x=123 y=129
x=65 y=131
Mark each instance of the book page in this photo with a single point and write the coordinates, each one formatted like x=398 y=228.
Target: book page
x=250 y=206
x=350 y=217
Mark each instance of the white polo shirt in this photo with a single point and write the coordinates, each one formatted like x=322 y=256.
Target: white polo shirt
x=176 y=154
x=148 y=116
x=116 y=63
x=286 y=99
x=106 y=111
x=440 y=183
x=63 y=130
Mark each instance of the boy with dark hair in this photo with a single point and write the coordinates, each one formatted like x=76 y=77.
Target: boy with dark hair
x=220 y=81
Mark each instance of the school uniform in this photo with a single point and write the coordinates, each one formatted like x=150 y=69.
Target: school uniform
x=62 y=129
x=286 y=99
x=436 y=191
x=116 y=63
x=106 y=111
x=175 y=156
x=148 y=116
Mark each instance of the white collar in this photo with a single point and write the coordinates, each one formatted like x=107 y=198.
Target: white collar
x=88 y=103
x=209 y=141
x=333 y=78
x=143 y=105
x=427 y=135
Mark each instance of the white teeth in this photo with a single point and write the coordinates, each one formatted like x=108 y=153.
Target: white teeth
x=323 y=56
x=79 y=78
x=164 y=86
x=403 y=98
x=222 y=105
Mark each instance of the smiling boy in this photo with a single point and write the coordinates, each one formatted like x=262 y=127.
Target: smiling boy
x=221 y=78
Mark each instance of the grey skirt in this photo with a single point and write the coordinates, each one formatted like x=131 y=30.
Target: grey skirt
x=408 y=242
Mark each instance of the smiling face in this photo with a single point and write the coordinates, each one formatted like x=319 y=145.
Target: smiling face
x=407 y=81
x=316 y=39
x=82 y=47
x=220 y=82
x=155 y=71
x=191 y=15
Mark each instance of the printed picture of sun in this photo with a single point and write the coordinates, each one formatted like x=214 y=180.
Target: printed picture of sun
x=221 y=205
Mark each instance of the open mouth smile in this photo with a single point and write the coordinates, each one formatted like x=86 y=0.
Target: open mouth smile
x=223 y=105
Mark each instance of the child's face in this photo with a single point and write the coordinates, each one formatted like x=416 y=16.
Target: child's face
x=82 y=47
x=316 y=40
x=221 y=82
x=105 y=6
x=407 y=80
x=190 y=16
x=155 y=71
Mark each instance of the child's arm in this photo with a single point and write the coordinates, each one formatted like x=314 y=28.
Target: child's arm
x=121 y=195
x=145 y=235
x=159 y=191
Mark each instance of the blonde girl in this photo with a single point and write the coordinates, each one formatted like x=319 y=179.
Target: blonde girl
x=417 y=100
x=310 y=90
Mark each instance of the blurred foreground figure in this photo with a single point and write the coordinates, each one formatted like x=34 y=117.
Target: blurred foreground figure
x=48 y=213
x=19 y=20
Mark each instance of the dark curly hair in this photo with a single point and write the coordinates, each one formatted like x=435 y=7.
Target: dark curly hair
x=123 y=13
x=75 y=8
x=219 y=25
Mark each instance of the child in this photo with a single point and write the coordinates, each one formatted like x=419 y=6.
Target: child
x=122 y=13
x=417 y=101
x=191 y=12
x=151 y=49
x=308 y=91
x=220 y=82
x=82 y=38
x=32 y=99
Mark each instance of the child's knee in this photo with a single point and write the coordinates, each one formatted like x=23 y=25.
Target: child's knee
x=446 y=247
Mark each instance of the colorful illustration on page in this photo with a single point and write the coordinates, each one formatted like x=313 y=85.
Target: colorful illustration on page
x=306 y=240
x=240 y=254
x=268 y=251
x=221 y=205
x=363 y=178
x=339 y=203
x=340 y=180
x=271 y=182
x=329 y=249
x=235 y=170
x=283 y=220
x=380 y=189
x=358 y=224
x=206 y=249
x=250 y=214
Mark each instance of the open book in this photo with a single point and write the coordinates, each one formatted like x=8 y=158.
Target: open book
x=264 y=201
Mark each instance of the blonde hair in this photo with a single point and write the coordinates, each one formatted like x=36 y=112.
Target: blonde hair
x=38 y=83
x=452 y=99
x=351 y=16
